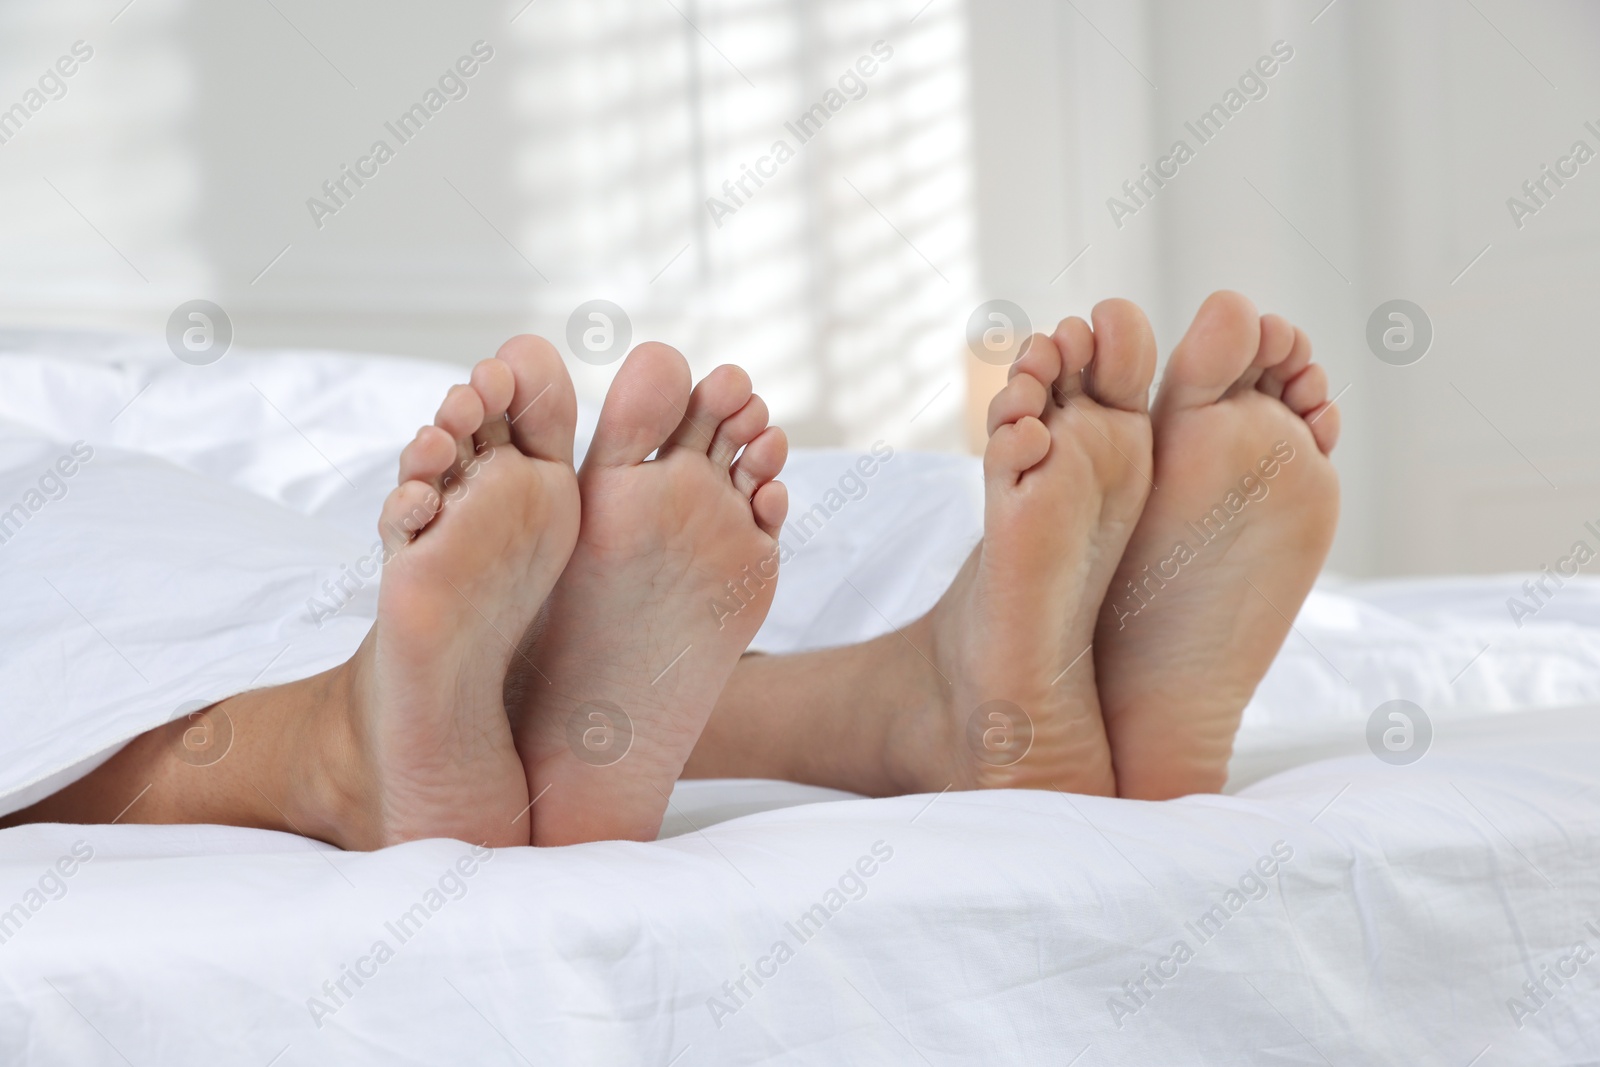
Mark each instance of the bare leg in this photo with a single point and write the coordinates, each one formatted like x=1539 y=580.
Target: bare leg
x=993 y=688
x=846 y=718
x=409 y=739
x=289 y=764
x=1242 y=404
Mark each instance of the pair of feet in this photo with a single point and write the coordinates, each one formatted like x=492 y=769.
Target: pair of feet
x=1141 y=566
x=541 y=671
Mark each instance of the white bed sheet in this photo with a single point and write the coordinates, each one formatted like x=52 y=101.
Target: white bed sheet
x=1417 y=901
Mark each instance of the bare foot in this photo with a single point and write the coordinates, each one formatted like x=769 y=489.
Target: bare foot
x=674 y=570
x=1226 y=551
x=1067 y=471
x=475 y=536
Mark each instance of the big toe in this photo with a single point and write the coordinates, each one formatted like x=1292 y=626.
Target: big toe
x=1124 y=357
x=543 y=409
x=647 y=401
x=1219 y=348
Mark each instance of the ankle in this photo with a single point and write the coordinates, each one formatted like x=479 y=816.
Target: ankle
x=325 y=788
x=916 y=743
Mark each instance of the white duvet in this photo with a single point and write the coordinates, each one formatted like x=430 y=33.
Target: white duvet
x=210 y=536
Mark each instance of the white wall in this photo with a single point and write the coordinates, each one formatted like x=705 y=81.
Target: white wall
x=978 y=164
x=1378 y=166
x=180 y=162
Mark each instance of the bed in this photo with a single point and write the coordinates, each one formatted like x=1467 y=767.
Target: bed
x=1337 y=905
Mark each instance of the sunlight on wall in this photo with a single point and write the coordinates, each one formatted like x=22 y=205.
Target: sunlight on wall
x=778 y=183
x=663 y=164
x=83 y=241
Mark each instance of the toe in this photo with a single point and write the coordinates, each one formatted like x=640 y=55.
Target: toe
x=461 y=413
x=495 y=385
x=1221 y=344
x=1324 y=422
x=428 y=456
x=1124 y=357
x=1306 y=394
x=738 y=430
x=770 y=506
x=543 y=412
x=1297 y=357
x=406 y=510
x=461 y=416
x=1015 y=448
x=1075 y=341
x=719 y=395
x=762 y=461
x=1023 y=395
x=1277 y=340
x=1040 y=360
x=645 y=403
x=1306 y=391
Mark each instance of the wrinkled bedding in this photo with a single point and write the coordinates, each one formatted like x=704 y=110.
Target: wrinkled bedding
x=1333 y=908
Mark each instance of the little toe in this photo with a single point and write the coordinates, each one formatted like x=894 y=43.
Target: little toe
x=1022 y=395
x=719 y=395
x=409 y=507
x=1221 y=344
x=542 y=415
x=770 y=506
x=738 y=430
x=644 y=405
x=1324 y=422
x=1124 y=357
x=1306 y=394
x=762 y=461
